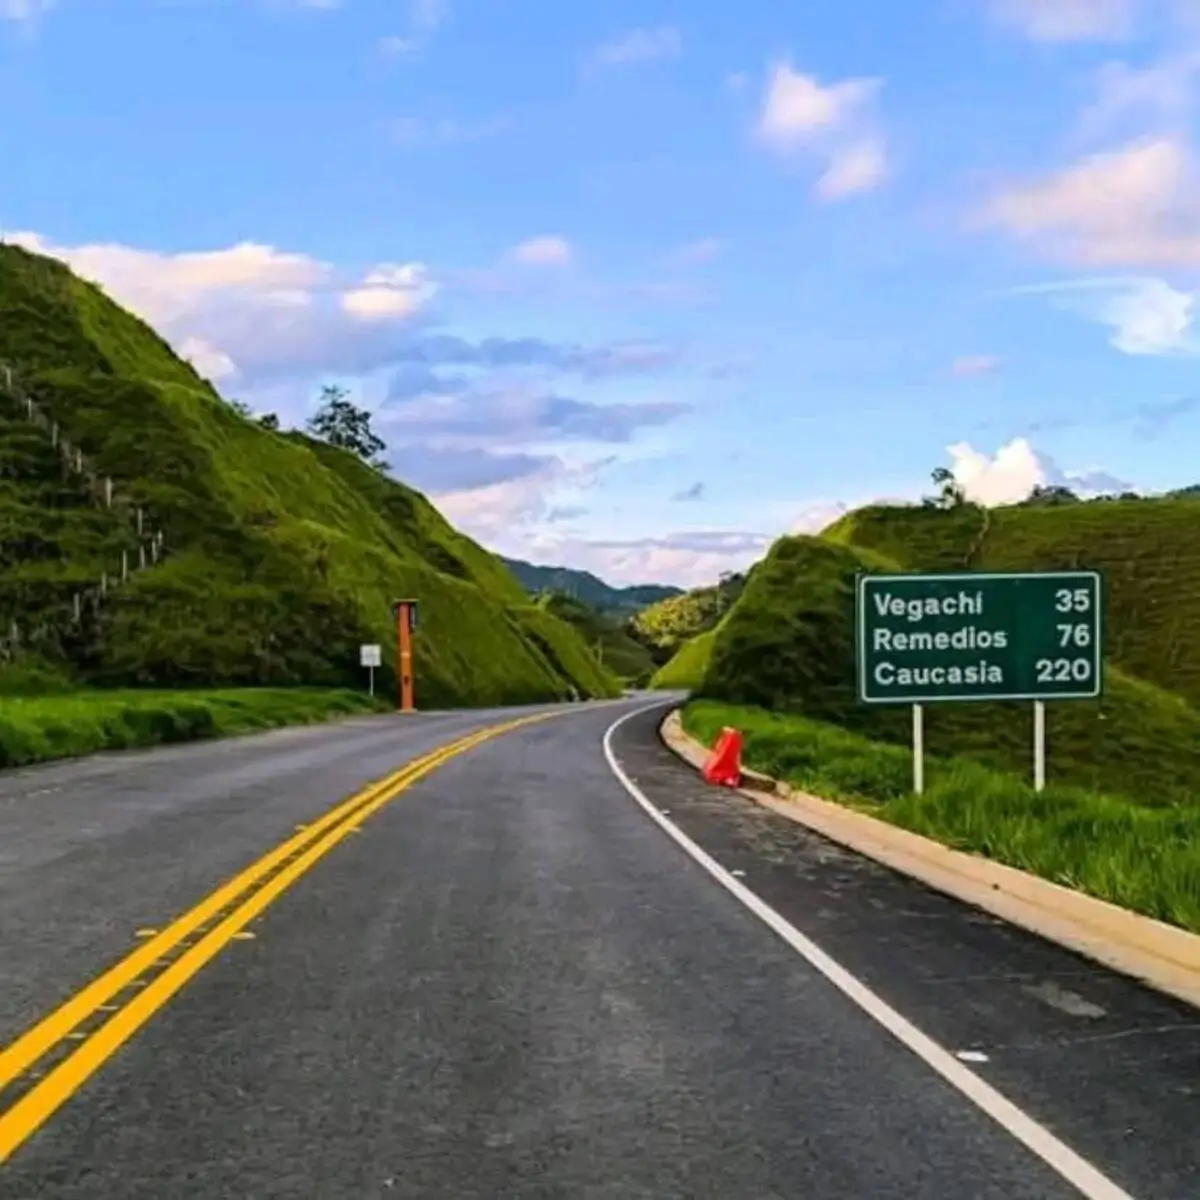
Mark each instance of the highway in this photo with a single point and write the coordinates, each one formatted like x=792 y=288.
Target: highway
x=550 y=963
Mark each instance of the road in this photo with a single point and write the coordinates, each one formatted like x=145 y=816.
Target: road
x=511 y=981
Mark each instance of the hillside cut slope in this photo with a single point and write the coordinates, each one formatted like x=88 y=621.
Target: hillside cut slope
x=787 y=644
x=1147 y=549
x=276 y=556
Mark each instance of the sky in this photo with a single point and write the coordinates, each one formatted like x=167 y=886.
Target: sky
x=638 y=287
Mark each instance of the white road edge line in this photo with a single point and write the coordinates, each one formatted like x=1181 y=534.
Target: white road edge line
x=1061 y=1158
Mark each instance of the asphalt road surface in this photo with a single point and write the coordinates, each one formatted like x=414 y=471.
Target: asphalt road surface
x=510 y=980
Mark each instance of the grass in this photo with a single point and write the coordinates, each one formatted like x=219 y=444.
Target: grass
x=626 y=658
x=1143 y=857
x=1148 y=551
x=687 y=667
x=787 y=646
x=283 y=554
x=42 y=728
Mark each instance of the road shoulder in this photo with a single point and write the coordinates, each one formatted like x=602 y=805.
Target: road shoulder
x=1103 y=1062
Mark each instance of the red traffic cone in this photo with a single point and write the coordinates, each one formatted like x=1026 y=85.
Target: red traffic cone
x=724 y=766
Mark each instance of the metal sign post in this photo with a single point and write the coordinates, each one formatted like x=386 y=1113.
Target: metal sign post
x=977 y=636
x=370 y=656
x=918 y=748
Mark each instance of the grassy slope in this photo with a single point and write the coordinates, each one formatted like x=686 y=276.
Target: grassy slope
x=788 y=646
x=283 y=554
x=687 y=667
x=626 y=658
x=64 y=726
x=1148 y=551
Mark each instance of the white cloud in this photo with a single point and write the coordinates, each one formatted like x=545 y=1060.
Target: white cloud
x=389 y=292
x=252 y=310
x=813 y=518
x=836 y=122
x=1162 y=92
x=548 y=251
x=1147 y=316
x=1068 y=20
x=639 y=45
x=1135 y=206
x=210 y=362
x=1009 y=475
x=854 y=168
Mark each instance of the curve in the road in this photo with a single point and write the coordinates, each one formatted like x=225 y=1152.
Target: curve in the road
x=1076 y=1170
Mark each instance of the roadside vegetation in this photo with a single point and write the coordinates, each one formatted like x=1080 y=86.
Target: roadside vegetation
x=1121 y=815
x=1144 y=857
x=44 y=727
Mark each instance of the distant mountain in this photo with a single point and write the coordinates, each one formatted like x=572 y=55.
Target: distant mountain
x=583 y=585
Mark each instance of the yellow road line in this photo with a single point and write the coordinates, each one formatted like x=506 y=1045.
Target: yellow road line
x=315 y=842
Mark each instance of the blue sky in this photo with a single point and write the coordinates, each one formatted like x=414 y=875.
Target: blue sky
x=640 y=286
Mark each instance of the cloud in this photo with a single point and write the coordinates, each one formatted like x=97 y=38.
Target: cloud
x=550 y=250
x=419 y=132
x=1147 y=316
x=1133 y=207
x=973 y=365
x=1067 y=20
x=389 y=292
x=1009 y=475
x=605 y=361
x=518 y=416
x=253 y=313
x=1154 y=419
x=1162 y=93
x=694 y=492
x=434 y=468
x=689 y=558
x=813 y=518
x=505 y=515
x=837 y=123
x=639 y=45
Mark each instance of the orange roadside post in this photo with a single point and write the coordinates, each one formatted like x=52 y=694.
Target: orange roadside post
x=724 y=765
x=406 y=621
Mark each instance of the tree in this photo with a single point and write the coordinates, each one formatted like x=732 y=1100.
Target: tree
x=1054 y=493
x=950 y=491
x=269 y=421
x=341 y=423
x=241 y=408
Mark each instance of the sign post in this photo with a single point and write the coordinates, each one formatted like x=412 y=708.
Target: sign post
x=370 y=657
x=405 y=612
x=974 y=636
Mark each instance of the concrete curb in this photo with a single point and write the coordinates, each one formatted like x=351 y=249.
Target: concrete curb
x=1162 y=956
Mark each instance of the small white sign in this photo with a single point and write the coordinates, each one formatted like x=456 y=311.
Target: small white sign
x=370 y=656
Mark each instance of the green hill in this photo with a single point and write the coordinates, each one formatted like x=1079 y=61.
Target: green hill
x=625 y=657
x=278 y=556
x=667 y=625
x=586 y=587
x=1148 y=550
x=787 y=644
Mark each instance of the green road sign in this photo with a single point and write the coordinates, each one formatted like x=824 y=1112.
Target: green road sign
x=975 y=636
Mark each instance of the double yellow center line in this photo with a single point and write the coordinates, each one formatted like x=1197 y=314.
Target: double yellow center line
x=216 y=920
